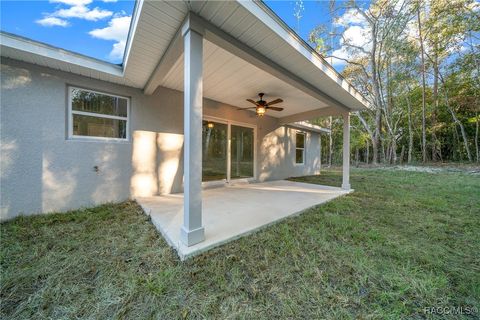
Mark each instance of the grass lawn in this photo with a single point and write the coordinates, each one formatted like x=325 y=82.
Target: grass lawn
x=401 y=242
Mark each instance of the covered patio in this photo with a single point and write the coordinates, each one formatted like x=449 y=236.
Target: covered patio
x=205 y=59
x=234 y=211
x=229 y=52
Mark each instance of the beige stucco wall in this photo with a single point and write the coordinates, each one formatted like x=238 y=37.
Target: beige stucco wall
x=42 y=171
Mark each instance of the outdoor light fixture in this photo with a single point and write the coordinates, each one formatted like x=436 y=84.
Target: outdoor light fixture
x=261 y=111
x=261 y=105
x=210 y=125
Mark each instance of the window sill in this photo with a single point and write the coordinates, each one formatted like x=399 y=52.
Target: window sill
x=99 y=140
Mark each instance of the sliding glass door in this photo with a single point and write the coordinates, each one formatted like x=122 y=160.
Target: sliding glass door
x=214 y=160
x=221 y=162
x=241 y=160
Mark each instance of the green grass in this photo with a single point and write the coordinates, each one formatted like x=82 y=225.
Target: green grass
x=401 y=242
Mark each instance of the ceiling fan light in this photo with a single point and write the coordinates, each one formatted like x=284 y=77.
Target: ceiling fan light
x=261 y=111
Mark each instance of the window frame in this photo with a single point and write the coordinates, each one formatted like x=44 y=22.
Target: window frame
x=298 y=148
x=71 y=112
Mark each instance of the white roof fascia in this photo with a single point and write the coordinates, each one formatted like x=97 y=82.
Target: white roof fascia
x=131 y=31
x=303 y=125
x=44 y=50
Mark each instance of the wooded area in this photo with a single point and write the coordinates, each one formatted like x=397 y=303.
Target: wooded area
x=418 y=64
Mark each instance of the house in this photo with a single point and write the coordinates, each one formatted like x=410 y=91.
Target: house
x=76 y=131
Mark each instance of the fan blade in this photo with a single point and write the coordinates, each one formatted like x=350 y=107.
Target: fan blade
x=274 y=102
x=251 y=101
x=246 y=108
x=275 y=108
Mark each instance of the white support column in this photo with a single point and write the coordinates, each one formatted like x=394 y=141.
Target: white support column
x=192 y=231
x=346 y=152
x=229 y=152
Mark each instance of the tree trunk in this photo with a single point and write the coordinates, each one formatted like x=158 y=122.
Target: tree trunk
x=384 y=155
x=476 y=136
x=357 y=156
x=330 y=142
x=394 y=151
x=367 y=156
x=477 y=100
x=402 y=154
x=388 y=157
x=375 y=150
x=458 y=122
x=422 y=56
x=377 y=96
x=410 y=131
x=456 y=154
x=464 y=134
x=371 y=135
x=436 y=148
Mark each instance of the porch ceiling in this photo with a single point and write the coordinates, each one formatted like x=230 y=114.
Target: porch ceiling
x=231 y=80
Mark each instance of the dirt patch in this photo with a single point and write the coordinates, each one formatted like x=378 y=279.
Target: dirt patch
x=437 y=169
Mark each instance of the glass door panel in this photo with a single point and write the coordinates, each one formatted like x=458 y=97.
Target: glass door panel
x=214 y=160
x=241 y=160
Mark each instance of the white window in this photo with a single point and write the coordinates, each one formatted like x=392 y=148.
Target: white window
x=300 y=147
x=96 y=115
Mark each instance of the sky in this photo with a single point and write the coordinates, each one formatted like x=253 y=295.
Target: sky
x=94 y=28
x=99 y=28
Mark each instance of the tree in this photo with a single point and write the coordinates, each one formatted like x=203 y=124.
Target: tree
x=423 y=70
x=380 y=24
x=418 y=64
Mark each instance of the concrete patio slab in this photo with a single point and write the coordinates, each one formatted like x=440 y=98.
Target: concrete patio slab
x=234 y=211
